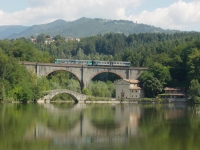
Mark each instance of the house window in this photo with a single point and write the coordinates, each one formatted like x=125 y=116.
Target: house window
x=132 y=90
x=132 y=95
x=136 y=91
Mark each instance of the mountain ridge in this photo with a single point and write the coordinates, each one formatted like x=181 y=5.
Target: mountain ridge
x=84 y=27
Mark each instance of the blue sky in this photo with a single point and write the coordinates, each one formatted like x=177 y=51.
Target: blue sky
x=167 y=14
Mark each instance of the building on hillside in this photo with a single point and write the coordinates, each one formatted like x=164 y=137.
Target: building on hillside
x=33 y=40
x=173 y=94
x=128 y=89
x=48 y=40
x=72 y=39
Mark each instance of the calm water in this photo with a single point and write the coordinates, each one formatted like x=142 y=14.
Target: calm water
x=64 y=126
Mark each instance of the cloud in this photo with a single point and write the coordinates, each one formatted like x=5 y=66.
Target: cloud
x=43 y=11
x=180 y=15
x=36 y=3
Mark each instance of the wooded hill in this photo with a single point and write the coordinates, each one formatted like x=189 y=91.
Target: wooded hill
x=173 y=60
x=6 y=31
x=83 y=27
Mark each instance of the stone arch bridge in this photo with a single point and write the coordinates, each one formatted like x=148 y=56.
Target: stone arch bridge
x=84 y=73
x=77 y=96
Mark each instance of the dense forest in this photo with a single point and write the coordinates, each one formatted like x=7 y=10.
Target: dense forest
x=173 y=60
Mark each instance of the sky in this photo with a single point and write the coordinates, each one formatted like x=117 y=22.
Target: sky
x=168 y=14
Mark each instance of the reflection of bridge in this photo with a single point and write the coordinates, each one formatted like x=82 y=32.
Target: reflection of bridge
x=77 y=96
x=85 y=131
x=84 y=73
x=55 y=110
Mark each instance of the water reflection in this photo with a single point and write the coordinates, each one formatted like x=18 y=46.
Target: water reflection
x=97 y=126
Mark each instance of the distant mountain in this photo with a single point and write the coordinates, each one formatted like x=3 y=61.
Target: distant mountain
x=6 y=31
x=85 y=27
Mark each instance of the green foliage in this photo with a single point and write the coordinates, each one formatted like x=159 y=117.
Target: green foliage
x=24 y=50
x=5 y=70
x=87 y=91
x=15 y=80
x=101 y=89
x=41 y=38
x=62 y=97
x=193 y=64
x=151 y=85
x=64 y=80
x=102 y=117
x=194 y=91
x=173 y=60
x=160 y=72
x=74 y=85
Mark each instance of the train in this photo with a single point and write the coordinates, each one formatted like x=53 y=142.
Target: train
x=92 y=62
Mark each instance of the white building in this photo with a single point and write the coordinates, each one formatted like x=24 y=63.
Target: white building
x=173 y=94
x=48 y=40
x=128 y=89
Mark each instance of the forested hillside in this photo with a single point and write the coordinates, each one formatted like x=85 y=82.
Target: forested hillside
x=173 y=60
x=85 y=27
x=6 y=31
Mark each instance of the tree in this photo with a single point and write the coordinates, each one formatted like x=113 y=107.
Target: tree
x=5 y=70
x=152 y=86
x=160 y=72
x=73 y=85
x=41 y=38
x=194 y=88
x=193 y=64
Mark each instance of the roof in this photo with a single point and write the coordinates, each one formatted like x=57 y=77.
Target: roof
x=131 y=81
x=171 y=89
x=135 y=88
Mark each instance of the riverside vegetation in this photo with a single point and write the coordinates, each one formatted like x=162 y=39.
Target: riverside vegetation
x=173 y=60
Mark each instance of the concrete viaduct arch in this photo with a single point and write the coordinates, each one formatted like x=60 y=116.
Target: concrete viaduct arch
x=82 y=72
x=105 y=72
x=66 y=71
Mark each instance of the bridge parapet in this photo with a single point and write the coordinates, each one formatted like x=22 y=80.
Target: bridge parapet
x=77 y=96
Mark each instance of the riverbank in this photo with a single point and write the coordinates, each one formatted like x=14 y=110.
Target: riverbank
x=141 y=100
x=105 y=100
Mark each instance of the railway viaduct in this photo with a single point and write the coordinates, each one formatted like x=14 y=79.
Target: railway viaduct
x=83 y=73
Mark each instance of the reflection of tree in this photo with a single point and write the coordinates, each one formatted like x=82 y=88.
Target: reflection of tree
x=14 y=121
x=102 y=117
x=63 y=106
x=156 y=132
x=167 y=133
x=62 y=123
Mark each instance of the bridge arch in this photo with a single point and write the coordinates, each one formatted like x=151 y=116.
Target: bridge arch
x=77 y=96
x=74 y=97
x=105 y=72
x=55 y=70
x=96 y=74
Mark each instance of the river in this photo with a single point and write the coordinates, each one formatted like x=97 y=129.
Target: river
x=65 y=126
